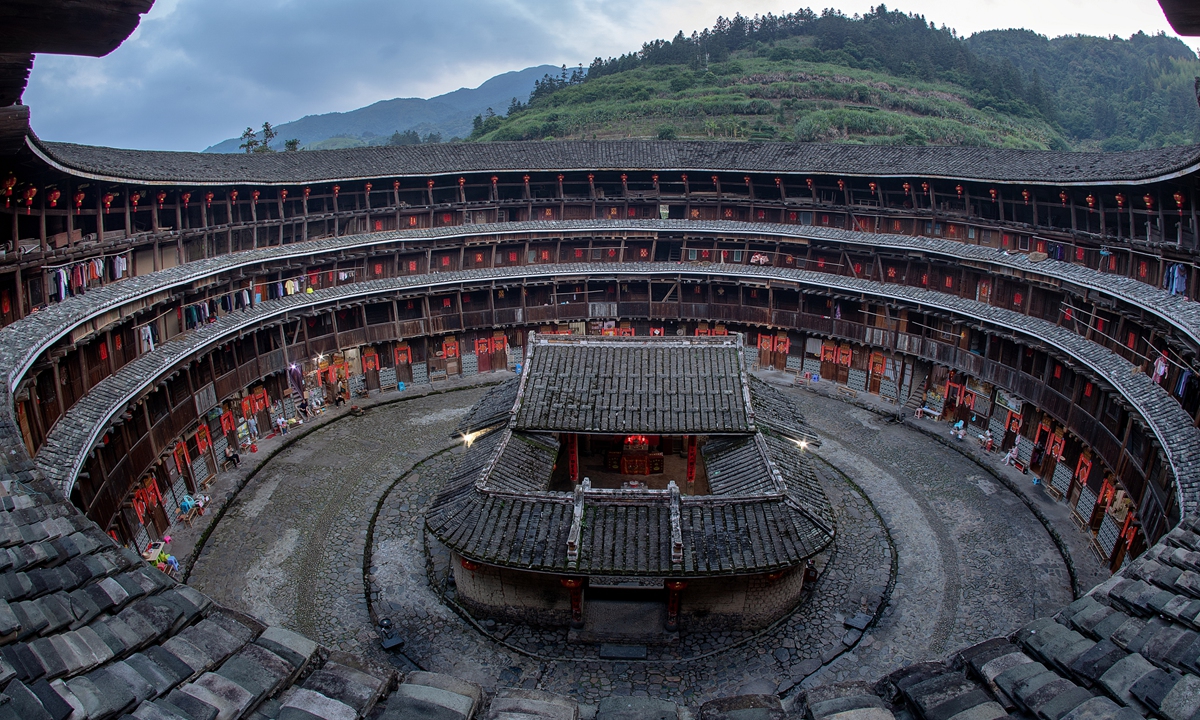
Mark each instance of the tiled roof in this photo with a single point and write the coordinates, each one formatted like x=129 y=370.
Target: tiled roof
x=968 y=163
x=645 y=385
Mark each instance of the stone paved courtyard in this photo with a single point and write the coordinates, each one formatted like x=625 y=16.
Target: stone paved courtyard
x=951 y=554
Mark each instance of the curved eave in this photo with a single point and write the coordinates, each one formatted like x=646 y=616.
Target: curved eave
x=1188 y=162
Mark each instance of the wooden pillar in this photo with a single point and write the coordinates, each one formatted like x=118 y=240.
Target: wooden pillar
x=573 y=457
x=691 y=464
x=674 y=588
x=575 y=587
x=128 y=215
x=41 y=224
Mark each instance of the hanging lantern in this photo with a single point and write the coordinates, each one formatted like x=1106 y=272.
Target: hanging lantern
x=108 y=200
x=307 y=192
x=29 y=194
x=186 y=197
x=872 y=186
x=683 y=177
x=624 y=179
x=1149 y=201
x=653 y=178
x=1091 y=201
x=993 y=193
x=925 y=188
x=1120 y=202
x=208 y=196
x=809 y=182
x=338 y=188
x=958 y=189
x=1025 y=195
x=778 y=182
x=841 y=184
x=907 y=188
x=526 y=179
x=1062 y=195
x=368 y=186
x=233 y=196
x=496 y=180
x=134 y=198
x=716 y=181
x=53 y=197
x=560 y=179
x=79 y=197
x=162 y=196
x=283 y=194
x=9 y=183
x=1179 y=201
x=254 y=197
x=747 y=179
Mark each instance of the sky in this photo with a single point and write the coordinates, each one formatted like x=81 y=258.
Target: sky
x=198 y=71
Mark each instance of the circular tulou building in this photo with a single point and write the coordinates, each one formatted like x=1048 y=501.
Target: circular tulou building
x=158 y=309
x=645 y=469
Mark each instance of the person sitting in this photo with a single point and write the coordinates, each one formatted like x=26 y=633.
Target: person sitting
x=959 y=430
x=232 y=456
x=1010 y=458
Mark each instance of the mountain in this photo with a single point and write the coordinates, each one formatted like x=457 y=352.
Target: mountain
x=448 y=115
x=1111 y=93
x=885 y=77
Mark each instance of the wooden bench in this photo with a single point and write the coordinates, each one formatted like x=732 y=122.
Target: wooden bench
x=847 y=391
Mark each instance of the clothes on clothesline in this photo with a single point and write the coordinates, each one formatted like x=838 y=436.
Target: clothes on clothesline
x=70 y=280
x=148 y=335
x=196 y=314
x=1175 y=279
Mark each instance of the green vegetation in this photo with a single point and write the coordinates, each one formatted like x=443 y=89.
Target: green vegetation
x=885 y=78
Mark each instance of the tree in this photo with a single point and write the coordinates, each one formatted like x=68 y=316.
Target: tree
x=268 y=134
x=291 y=145
x=249 y=141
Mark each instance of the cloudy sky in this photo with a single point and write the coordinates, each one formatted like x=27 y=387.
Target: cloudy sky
x=198 y=71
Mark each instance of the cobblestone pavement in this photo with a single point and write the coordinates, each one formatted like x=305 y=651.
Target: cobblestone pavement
x=967 y=558
x=289 y=549
x=974 y=562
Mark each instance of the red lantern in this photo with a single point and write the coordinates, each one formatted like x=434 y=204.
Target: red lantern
x=208 y=196
x=809 y=182
x=526 y=179
x=778 y=182
x=841 y=184
x=307 y=192
x=134 y=198
x=254 y=197
x=79 y=196
x=233 y=196
x=9 y=183
x=925 y=188
x=162 y=196
x=395 y=185
x=1120 y=202
x=747 y=179
x=683 y=177
x=1179 y=201
x=53 y=197
x=1091 y=201
x=560 y=179
x=1149 y=201
x=1025 y=195
x=283 y=194
x=368 y=186
x=958 y=189
x=108 y=199
x=907 y=188
x=29 y=193
x=624 y=178
x=1062 y=195
x=992 y=192
x=186 y=197
x=654 y=178
x=873 y=186
x=338 y=188
x=496 y=180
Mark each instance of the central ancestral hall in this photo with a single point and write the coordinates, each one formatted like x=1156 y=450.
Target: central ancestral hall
x=626 y=484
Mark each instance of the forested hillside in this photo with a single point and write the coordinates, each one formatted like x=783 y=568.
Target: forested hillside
x=887 y=77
